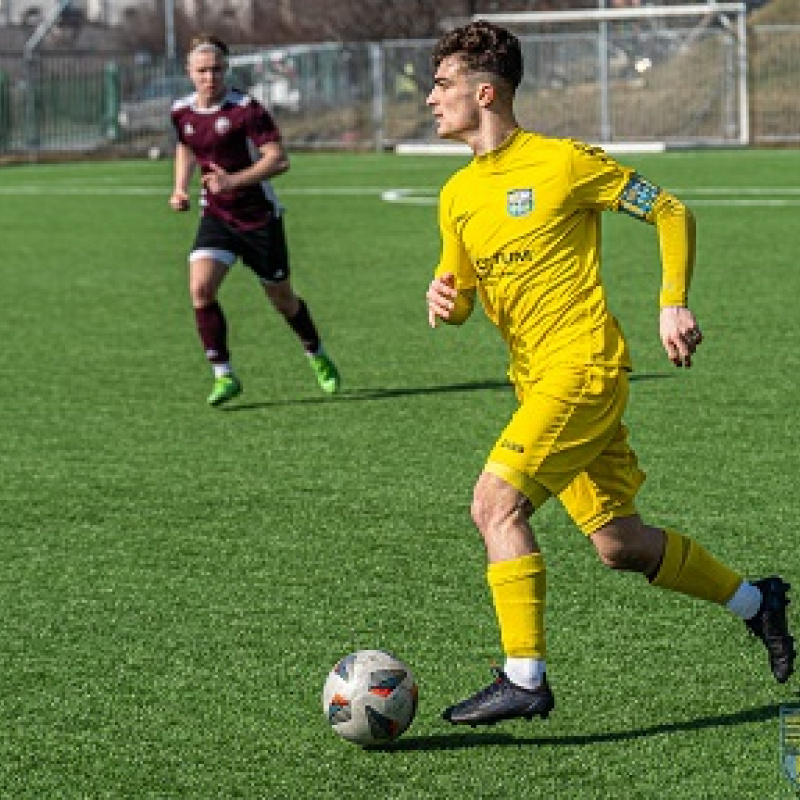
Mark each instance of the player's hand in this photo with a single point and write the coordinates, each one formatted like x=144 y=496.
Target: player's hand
x=179 y=201
x=680 y=334
x=217 y=181
x=441 y=297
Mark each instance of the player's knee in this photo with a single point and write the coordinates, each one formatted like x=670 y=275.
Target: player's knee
x=484 y=509
x=202 y=294
x=480 y=511
x=283 y=299
x=490 y=510
x=284 y=306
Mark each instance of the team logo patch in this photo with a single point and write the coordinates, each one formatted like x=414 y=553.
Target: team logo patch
x=790 y=743
x=519 y=202
x=188 y=129
x=222 y=125
x=638 y=197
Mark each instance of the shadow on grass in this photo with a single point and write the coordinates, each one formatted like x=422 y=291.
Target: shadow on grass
x=357 y=395
x=458 y=741
x=374 y=394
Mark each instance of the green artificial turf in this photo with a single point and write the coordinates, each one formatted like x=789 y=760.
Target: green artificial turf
x=176 y=581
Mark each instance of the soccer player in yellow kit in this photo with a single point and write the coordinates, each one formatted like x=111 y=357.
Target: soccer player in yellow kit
x=520 y=228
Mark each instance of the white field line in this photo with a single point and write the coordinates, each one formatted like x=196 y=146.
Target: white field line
x=750 y=196
x=718 y=196
x=101 y=190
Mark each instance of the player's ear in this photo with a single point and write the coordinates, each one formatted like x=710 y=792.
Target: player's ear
x=486 y=94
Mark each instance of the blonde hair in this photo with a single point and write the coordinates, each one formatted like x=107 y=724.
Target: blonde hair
x=205 y=42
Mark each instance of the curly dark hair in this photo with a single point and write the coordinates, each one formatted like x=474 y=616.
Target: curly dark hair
x=483 y=47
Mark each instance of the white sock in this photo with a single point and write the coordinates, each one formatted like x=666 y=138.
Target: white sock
x=746 y=601
x=525 y=672
x=220 y=370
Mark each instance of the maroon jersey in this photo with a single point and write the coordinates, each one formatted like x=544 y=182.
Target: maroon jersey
x=229 y=136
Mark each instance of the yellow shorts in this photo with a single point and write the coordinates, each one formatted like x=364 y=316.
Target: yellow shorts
x=567 y=439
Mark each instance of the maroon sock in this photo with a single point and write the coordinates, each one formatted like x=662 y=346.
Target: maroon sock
x=302 y=324
x=213 y=332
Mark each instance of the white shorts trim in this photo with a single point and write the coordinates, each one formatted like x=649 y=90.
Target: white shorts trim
x=224 y=256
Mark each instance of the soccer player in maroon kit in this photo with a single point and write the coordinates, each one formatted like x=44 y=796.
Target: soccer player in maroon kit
x=236 y=144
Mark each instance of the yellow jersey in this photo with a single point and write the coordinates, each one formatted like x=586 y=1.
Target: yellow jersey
x=521 y=225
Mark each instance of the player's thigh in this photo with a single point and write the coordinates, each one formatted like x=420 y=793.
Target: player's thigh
x=606 y=489
x=564 y=422
x=214 y=241
x=213 y=252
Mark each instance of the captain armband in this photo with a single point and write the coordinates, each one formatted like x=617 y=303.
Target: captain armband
x=638 y=197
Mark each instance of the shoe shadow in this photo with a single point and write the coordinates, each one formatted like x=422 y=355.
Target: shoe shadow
x=357 y=395
x=471 y=738
x=360 y=395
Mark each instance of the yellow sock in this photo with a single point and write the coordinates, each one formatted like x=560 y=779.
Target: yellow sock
x=518 y=592
x=687 y=567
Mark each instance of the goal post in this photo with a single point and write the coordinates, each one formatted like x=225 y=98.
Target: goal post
x=674 y=74
x=603 y=14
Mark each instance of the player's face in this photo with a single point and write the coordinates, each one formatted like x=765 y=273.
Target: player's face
x=454 y=100
x=207 y=72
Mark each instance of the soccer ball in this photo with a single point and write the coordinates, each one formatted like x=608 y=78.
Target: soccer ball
x=369 y=697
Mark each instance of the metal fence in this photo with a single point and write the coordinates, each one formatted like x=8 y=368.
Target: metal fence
x=775 y=84
x=372 y=95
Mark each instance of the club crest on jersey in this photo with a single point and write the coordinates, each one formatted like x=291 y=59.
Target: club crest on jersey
x=222 y=125
x=188 y=129
x=790 y=743
x=519 y=202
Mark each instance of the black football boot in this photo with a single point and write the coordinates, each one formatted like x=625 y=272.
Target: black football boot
x=770 y=625
x=502 y=700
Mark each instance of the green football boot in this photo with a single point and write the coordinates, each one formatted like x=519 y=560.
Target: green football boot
x=326 y=372
x=226 y=387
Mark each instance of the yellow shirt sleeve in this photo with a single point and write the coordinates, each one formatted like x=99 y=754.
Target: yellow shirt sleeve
x=596 y=179
x=454 y=259
x=676 y=238
x=675 y=226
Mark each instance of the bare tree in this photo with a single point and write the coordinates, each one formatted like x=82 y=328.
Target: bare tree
x=281 y=22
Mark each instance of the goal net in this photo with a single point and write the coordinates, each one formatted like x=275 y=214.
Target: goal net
x=655 y=76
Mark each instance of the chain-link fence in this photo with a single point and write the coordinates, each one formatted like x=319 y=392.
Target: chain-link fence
x=650 y=87
x=774 y=85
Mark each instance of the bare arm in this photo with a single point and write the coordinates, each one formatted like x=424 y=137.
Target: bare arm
x=274 y=161
x=184 y=167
